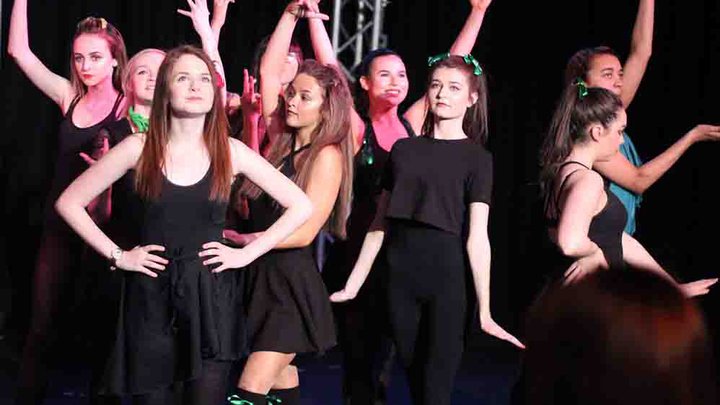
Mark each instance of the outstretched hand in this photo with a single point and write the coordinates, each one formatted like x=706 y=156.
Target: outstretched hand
x=700 y=287
x=489 y=326
x=199 y=14
x=705 y=132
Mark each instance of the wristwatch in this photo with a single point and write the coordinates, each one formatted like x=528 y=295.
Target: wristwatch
x=115 y=255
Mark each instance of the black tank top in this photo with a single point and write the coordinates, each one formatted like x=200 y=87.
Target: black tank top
x=606 y=227
x=370 y=163
x=264 y=211
x=73 y=140
x=183 y=218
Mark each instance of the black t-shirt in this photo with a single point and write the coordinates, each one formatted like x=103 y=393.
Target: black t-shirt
x=433 y=181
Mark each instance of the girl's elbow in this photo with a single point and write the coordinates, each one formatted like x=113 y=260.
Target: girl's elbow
x=305 y=209
x=61 y=206
x=569 y=246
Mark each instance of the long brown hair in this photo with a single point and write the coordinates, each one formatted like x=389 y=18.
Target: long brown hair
x=618 y=337
x=149 y=176
x=333 y=129
x=100 y=26
x=569 y=126
x=475 y=122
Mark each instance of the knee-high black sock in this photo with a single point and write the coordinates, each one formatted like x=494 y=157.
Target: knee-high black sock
x=290 y=396
x=246 y=396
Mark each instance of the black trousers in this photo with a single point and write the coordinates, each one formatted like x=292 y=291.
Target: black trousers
x=427 y=303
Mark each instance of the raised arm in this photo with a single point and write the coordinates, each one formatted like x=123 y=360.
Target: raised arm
x=219 y=15
x=640 y=51
x=463 y=45
x=54 y=86
x=478 y=249
x=325 y=54
x=251 y=111
x=368 y=253
x=200 y=16
x=96 y=179
x=638 y=179
x=272 y=61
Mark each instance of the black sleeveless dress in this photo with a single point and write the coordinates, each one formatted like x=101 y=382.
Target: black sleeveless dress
x=168 y=325
x=605 y=230
x=288 y=307
x=72 y=140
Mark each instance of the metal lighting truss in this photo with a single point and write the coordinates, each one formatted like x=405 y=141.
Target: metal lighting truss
x=354 y=37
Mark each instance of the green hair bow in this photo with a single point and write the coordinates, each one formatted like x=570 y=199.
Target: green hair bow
x=468 y=59
x=582 y=87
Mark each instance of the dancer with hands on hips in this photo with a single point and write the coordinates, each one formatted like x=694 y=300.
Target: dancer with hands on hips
x=181 y=323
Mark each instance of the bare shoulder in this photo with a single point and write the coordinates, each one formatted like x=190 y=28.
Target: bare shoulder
x=329 y=156
x=585 y=180
x=237 y=146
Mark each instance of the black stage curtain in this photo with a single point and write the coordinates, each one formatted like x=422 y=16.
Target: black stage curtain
x=523 y=46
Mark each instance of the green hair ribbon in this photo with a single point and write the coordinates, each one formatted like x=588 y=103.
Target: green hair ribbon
x=437 y=58
x=582 y=88
x=142 y=123
x=468 y=59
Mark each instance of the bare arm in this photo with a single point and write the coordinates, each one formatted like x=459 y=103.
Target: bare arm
x=322 y=189
x=640 y=51
x=638 y=179
x=478 y=249
x=96 y=179
x=54 y=86
x=325 y=54
x=578 y=205
x=200 y=16
x=298 y=207
x=271 y=65
x=637 y=257
x=368 y=253
x=219 y=15
x=463 y=45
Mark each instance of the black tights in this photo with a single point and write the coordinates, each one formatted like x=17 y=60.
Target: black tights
x=210 y=388
x=427 y=302
x=59 y=250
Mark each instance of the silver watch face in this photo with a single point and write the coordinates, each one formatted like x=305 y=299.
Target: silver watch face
x=116 y=253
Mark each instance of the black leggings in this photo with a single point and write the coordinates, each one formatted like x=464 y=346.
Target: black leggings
x=59 y=252
x=211 y=388
x=427 y=303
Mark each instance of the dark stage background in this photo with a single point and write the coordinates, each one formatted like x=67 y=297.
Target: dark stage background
x=523 y=45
